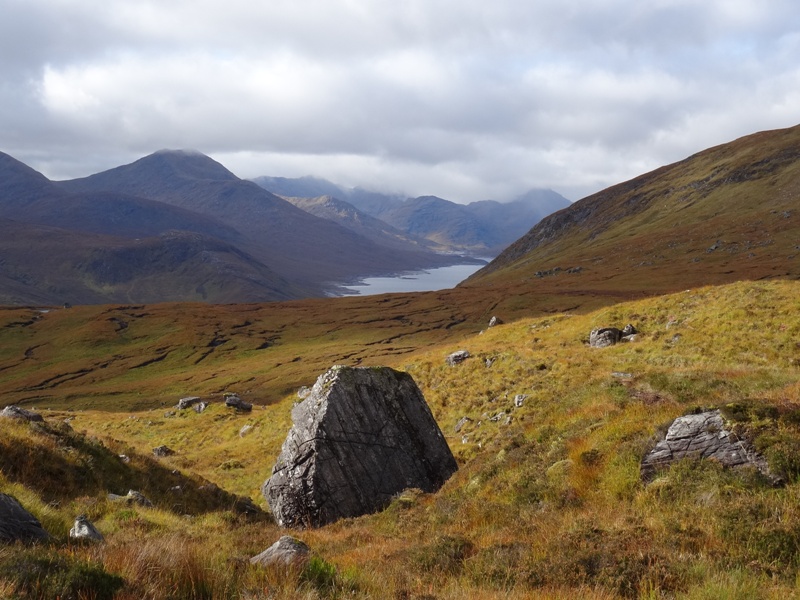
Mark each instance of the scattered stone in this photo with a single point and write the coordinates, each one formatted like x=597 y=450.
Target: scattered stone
x=489 y=362
x=497 y=417
x=303 y=392
x=701 y=436
x=519 y=400
x=234 y=401
x=162 y=451
x=17 y=524
x=629 y=330
x=286 y=552
x=187 y=402
x=362 y=436
x=621 y=375
x=245 y=430
x=605 y=336
x=200 y=407
x=495 y=321
x=125 y=458
x=133 y=497
x=460 y=425
x=84 y=530
x=15 y=412
x=169 y=413
x=457 y=357
x=176 y=489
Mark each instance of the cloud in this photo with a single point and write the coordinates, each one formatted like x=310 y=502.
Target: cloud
x=466 y=100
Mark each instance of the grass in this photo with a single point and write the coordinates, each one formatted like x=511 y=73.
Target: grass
x=547 y=502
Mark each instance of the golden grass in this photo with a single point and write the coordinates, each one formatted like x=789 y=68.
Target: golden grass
x=547 y=502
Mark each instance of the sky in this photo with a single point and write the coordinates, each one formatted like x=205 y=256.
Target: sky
x=463 y=99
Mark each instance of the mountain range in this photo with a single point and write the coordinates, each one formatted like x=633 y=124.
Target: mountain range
x=481 y=228
x=178 y=226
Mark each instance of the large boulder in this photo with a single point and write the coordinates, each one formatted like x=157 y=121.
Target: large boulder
x=702 y=435
x=17 y=524
x=83 y=529
x=362 y=436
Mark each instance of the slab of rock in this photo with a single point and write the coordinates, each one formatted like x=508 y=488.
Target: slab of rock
x=495 y=321
x=200 y=407
x=457 y=357
x=287 y=552
x=17 y=524
x=701 y=436
x=604 y=337
x=15 y=412
x=84 y=530
x=187 y=402
x=234 y=401
x=362 y=436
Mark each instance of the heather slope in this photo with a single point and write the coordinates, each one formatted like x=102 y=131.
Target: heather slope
x=726 y=213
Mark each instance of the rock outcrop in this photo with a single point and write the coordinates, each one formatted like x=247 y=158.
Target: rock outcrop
x=83 y=529
x=15 y=412
x=17 y=524
x=133 y=497
x=701 y=435
x=608 y=336
x=362 y=436
x=286 y=552
x=163 y=451
x=456 y=357
x=187 y=402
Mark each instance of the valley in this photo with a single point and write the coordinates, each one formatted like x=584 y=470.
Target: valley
x=549 y=434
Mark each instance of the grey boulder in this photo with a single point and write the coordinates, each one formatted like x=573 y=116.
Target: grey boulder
x=457 y=357
x=15 y=412
x=17 y=524
x=702 y=436
x=83 y=529
x=362 y=436
x=286 y=552
x=605 y=336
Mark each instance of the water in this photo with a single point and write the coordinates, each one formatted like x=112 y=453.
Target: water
x=430 y=280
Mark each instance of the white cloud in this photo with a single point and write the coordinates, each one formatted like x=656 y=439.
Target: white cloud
x=462 y=99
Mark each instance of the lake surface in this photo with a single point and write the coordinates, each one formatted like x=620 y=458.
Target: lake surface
x=430 y=280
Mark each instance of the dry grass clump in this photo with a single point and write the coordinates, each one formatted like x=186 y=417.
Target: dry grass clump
x=548 y=501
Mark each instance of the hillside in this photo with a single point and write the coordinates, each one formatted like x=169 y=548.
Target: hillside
x=548 y=501
x=726 y=213
x=301 y=247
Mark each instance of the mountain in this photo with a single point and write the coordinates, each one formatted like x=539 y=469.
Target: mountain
x=306 y=249
x=46 y=265
x=347 y=215
x=481 y=228
x=727 y=213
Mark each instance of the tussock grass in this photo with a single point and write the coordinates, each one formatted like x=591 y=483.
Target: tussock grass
x=548 y=501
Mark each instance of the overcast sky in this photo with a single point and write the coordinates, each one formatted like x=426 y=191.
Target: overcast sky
x=463 y=99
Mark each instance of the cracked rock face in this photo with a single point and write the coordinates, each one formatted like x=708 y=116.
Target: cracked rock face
x=362 y=436
x=701 y=436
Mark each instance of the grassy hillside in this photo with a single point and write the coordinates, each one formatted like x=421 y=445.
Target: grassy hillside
x=548 y=502
x=724 y=214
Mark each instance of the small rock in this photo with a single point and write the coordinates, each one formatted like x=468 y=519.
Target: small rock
x=234 y=401
x=497 y=417
x=17 y=524
x=629 y=330
x=162 y=451
x=489 y=362
x=461 y=422
x=15 y=412
x=457 y=357
x=199 y=407
x=605 y=336
x=245 y=430
x=519 y=400
x=495 y=321
x=187 y=402
x=286 y=552
x=621 y=375
x=169 y=413
x=133 y=497
x=125 y=458
x=84 y=530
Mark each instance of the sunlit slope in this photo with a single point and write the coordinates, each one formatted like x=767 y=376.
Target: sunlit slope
x=727 y=213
